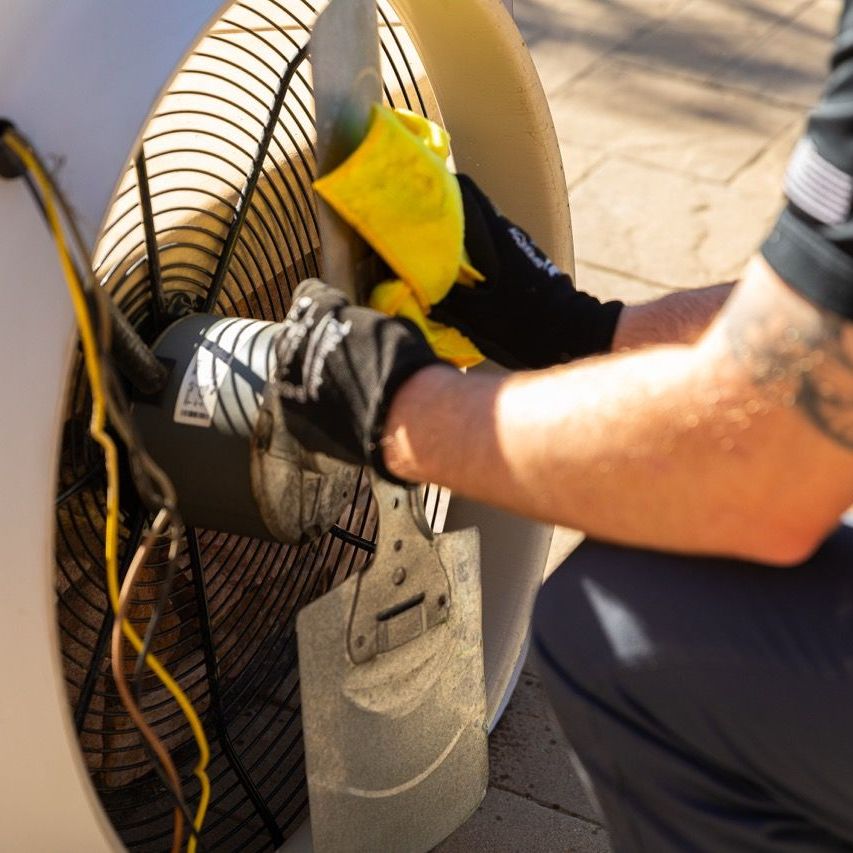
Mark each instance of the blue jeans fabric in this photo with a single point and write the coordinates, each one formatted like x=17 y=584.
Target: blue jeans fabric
x=709 y=700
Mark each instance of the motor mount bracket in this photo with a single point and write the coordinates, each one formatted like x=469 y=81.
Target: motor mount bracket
x=404 y=591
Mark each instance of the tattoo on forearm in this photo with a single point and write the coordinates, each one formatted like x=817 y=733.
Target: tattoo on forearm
x=799 y=356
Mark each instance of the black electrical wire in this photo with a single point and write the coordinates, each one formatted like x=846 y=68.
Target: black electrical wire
x=150 y=493
x=100 y=313
x=157 y=613
x=251 y=184
x=152 y=251
x=150 y=631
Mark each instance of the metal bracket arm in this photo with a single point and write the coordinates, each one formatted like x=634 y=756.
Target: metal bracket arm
x=404 y=590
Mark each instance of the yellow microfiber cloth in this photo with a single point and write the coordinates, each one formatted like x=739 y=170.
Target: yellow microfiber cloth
x=396 y=191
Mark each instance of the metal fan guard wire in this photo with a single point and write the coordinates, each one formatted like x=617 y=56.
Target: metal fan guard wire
x=195 y=188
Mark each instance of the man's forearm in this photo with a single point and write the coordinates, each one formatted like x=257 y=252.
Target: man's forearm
x=671 y=447
x=590 y=446
x=679 y=317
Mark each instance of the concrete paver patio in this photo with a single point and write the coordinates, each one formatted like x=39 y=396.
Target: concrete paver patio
x=675 y=120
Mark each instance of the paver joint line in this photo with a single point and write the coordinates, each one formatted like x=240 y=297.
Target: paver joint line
x=672 y=186
x=554 y=807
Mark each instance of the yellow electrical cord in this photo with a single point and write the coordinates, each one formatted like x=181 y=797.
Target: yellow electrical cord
x=98 y=432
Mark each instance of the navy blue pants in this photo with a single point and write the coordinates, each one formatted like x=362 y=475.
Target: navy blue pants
x=710 y=701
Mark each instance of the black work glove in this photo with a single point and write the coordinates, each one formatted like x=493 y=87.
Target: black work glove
x=526 y=314
x=339 y=367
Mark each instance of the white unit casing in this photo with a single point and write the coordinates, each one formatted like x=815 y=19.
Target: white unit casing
x=80 y=78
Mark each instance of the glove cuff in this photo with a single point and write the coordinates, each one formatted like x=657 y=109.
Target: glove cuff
x=583 y=326
x=411 y=354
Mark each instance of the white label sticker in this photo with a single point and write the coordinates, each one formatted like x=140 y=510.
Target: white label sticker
x=199 y=391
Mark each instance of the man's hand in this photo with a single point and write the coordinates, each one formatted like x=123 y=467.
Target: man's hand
x=338 y=369
x=527 y=314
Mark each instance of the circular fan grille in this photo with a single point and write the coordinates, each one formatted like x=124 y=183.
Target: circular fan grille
x=206 y=218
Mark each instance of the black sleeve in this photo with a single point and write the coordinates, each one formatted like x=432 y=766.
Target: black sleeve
x=811 y=245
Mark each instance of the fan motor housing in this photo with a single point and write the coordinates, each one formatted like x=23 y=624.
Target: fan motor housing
x=218 y=432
